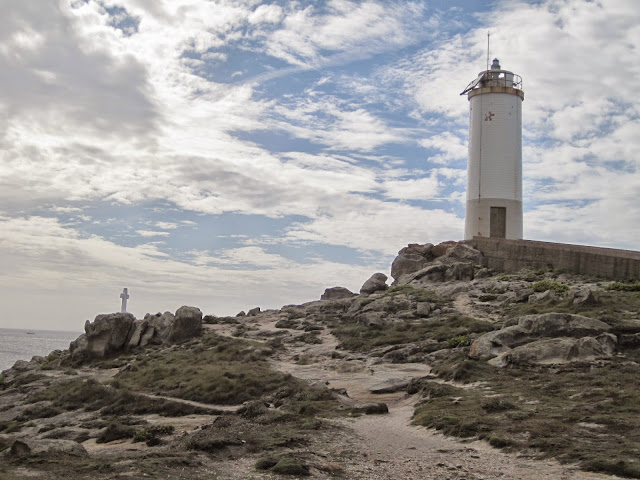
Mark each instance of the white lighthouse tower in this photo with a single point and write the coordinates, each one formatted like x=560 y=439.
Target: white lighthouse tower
x=494 y=172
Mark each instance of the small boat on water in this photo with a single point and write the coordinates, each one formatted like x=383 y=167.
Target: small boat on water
x=30 y=332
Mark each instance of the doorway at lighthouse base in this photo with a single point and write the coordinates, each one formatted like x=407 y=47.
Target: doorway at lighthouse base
x=494 y=217
x=498 y=222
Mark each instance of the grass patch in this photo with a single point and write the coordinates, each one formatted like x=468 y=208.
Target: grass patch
x=290 y=466
x=544 y=285
x=450 y=332
x=91 y=395
x=624 y=286
x=225 y=371
x=487 y=297
x=585 y=413
x=39 y=411
x=150 y=433
x=27 y=379
x=617 y=308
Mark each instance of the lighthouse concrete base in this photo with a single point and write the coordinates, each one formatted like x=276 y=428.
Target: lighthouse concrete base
x=493 y=217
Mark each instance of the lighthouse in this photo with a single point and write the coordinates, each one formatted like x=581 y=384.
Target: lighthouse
x=494 y=170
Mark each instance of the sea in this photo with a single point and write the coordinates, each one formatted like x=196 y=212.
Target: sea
x=20 y=344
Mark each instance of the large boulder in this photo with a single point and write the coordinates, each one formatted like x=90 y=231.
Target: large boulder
x=29 y=447
x=377 y=283
x=158 y=328
x=107 y=334
x=459 y=271
x=583 y=296
x=137 y=330
x=410 y=259
x=545 y=338
x=559 y=350
x=389 y=304
x=562 y=325
x=461 y=252
x=500 y=341
x=336 y=293
x=187 y=324
x=443 y=248
x=429 y=274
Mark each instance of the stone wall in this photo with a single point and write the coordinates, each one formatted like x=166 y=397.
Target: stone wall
x=512 y=255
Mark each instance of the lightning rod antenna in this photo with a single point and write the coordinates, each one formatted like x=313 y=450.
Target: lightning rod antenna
x=488 y=37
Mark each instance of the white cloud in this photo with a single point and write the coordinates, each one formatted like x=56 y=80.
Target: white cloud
x=166 y=225
x=151 y=233
x=349 y=30
x=425 y=188
x=266 y=14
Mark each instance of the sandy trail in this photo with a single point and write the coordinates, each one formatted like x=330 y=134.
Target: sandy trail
x=388 y=446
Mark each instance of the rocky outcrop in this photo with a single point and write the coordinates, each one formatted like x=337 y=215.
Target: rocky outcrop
x=187 y=324
x=31 y=447
x=376 y=283
x=546 y=338
x=410 y=259
x=443 y=248
x=253 y=312
x=559 y=350
x=448 y=261
x=106 y=335
x=113 y=333
x=157 y=330
x=336 y=293
x=583 y=296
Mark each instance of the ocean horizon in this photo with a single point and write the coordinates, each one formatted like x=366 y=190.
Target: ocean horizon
x=23 y=344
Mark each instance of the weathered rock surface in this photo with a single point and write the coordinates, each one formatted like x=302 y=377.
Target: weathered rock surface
x=535 y=332
x=187 y=324
x=158 y=328
x=107 y=334
x=390 y=386
x=464 y=252
x=112 y=333
x=583 y=296
x=253 y=312
x=443 y=248
x=559 y=350
x=446 y=262
x=336 y=293
x=542 y=296
x=377 y=283
x=410 y=259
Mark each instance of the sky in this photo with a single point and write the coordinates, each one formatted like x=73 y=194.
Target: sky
x=228 y=154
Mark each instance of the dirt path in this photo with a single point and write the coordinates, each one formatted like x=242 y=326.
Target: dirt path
x=388 y=446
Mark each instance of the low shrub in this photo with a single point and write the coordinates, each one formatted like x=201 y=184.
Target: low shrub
x=487 y=297
x=265 y=463
x=500 y=442
x=155 y=431
x=544 y=285
x=39 y=411
x=287 y=323
x=290 y=466
x=458 y=341
x=613 y=467
x=26 y=379
x=115 y=431
x=624 y=286
x=497 y=404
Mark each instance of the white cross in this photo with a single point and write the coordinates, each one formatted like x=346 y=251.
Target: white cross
x=124 y=296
